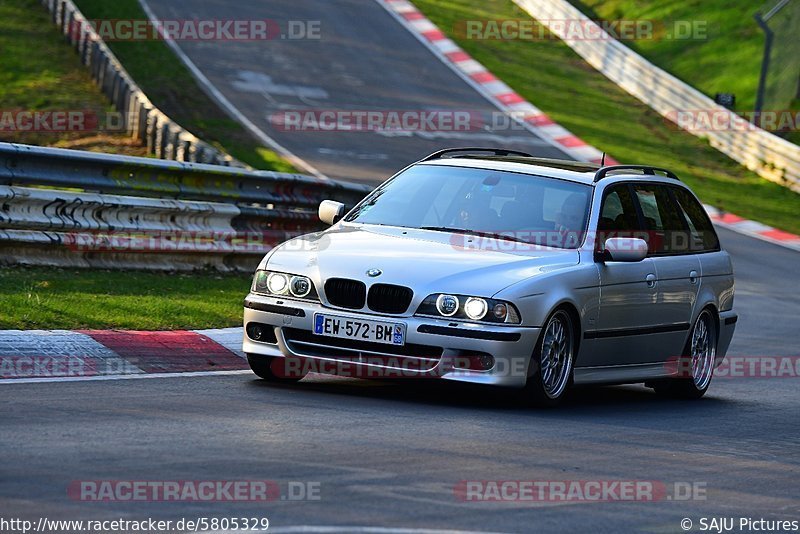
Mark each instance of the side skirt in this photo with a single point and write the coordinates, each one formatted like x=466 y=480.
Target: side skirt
x=620 y=374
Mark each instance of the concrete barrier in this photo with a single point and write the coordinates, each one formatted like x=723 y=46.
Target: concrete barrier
x=768 y=155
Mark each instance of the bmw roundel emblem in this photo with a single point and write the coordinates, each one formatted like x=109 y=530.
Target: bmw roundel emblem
x=374 y=272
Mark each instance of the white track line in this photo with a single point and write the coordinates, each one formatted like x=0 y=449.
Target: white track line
x=101 y=378
x=228 y=106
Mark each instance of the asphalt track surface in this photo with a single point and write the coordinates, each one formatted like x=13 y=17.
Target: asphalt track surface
x=364 y=60
x=390 y=455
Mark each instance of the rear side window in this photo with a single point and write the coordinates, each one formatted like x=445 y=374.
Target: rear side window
x=702 y=231
x=667 y=232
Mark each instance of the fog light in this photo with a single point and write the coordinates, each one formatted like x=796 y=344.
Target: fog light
x=447 y=305
x=300 y=286
x=475 y=308
x=485 y=362
x=278 y=283
x=256 y=332
x=263 y=333
x=475 y=362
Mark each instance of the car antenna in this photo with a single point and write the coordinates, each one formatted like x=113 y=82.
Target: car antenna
x=603 y=160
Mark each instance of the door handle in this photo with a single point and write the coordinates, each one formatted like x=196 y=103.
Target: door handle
x=693 y=277
x=651 y=280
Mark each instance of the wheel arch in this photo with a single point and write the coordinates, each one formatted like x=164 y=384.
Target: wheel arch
x=711 y=307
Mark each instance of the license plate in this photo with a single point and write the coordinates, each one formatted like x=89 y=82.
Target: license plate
x=360 y=329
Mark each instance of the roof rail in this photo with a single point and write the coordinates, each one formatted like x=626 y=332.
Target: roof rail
x=495 y=151
x=563 y=164
x=646 y=169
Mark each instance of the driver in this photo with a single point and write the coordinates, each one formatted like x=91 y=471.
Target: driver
x=569 y=221
x=477 y=215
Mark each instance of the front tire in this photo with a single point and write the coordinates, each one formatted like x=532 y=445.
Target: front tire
x=552 y=362
x=273 y=369
x=696 y=365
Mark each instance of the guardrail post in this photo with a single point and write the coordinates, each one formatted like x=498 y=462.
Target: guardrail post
x=69 y=24
x=83 y=50
x=152 y=128
x=140 y=120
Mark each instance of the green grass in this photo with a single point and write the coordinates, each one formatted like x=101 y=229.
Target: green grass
x=173 y=89
x=39 y=72
x=50 y=298
x=555 y=79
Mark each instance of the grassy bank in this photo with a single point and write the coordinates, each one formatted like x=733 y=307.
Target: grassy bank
x=723 y=54
x=555 y=79
x=171 y=87
x=50 y=298
x=39 y=72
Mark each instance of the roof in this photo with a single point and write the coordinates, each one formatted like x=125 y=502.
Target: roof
x=573 y=171
x=515 y=165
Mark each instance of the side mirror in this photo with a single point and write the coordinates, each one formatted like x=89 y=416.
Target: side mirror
x=330 y=211
x=629 y=249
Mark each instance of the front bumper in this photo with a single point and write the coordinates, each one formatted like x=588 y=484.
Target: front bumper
x=292 y=321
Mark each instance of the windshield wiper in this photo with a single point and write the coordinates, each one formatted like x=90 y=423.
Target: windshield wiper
x=493 y=235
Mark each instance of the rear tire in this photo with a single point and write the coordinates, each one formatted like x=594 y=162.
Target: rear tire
x=696 y=365
x=273 y=369
x=550 y=374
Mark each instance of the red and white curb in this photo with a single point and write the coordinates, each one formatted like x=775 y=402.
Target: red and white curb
x=535 y=120
x=753 y=228
x=489 y=86
x=38 y=355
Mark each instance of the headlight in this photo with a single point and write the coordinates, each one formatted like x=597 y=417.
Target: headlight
x=469 y=308
x=300 y=286
x=447 y=305
x=278 y=283
x=475 y=308
x=284 y=285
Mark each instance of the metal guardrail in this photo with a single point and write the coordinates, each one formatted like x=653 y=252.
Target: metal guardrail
x=106 y=173
x=768 y=155
x=72 y=208
x=141 y=119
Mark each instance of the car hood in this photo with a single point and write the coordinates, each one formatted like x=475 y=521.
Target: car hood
x=426 y=261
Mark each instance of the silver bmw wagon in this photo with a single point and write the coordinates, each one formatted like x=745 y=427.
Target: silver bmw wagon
x=494 y=267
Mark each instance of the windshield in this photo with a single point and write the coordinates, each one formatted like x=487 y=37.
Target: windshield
x=518 y=207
